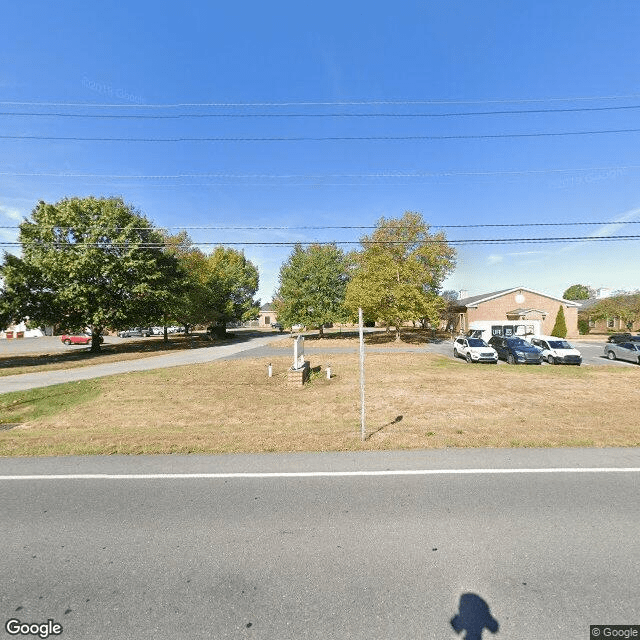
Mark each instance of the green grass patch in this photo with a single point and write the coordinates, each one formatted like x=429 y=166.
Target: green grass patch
x=22 y=406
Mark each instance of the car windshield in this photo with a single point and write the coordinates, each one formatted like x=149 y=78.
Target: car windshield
x=476 y=342
x=518 y=342
x=559 y=344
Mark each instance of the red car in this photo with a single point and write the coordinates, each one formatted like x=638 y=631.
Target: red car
x=84 y=338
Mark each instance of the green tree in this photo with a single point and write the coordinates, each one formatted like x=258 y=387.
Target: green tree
x=312 y=285
x=578 y=292
x=92 y=262
x=218 y=288
x=232 y=281
x=626 y=307
x=399 y=271
x=560 y=327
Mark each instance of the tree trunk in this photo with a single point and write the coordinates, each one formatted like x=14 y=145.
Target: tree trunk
x=165 y=332
x=95 y=339
x=320 y=331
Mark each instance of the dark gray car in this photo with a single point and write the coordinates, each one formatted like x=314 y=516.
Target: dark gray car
x=629 y=351
x=516 y=350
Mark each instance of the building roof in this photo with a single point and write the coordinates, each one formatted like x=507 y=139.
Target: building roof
x=474 y=301
x=267 y=307
x=587 y=304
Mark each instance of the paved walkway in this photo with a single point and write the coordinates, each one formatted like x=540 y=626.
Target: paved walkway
x=25 y=381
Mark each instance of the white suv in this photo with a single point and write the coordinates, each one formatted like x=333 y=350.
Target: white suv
x=474 y=350
x=556 y=350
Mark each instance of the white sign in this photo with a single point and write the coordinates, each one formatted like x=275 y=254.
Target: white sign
x=298 y=353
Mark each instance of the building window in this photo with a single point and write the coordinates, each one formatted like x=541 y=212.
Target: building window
x=267 y=320
x=610 y=323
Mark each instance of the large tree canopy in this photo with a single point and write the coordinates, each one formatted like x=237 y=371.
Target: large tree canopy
x=626 y=307
x=233 y=281
x=91 y=262
x=219 y=287
x=578 y=292
x=312 y=286
x=399 y=271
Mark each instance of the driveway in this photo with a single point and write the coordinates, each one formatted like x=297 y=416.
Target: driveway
x=26 y=381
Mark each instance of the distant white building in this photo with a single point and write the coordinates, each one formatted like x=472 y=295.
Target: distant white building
x=20 y=330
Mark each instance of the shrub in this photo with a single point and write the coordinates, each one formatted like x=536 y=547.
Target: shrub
x=560 y=327
x=583 y=326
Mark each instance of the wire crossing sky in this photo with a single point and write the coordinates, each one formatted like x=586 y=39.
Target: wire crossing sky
x=261 y=126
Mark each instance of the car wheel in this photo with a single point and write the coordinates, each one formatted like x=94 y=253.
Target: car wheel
x=511 y=359
x=611 y=355
x=455 y=352
x=469 y=358
x=551 y=360
x=67 y=342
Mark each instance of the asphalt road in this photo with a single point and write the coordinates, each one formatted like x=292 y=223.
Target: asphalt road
x=529 y=543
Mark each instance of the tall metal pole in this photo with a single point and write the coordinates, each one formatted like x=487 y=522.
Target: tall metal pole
x=362 y=427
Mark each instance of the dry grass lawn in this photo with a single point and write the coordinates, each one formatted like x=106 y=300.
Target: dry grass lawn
x=411 y=402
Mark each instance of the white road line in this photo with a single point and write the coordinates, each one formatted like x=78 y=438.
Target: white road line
x=314 y=474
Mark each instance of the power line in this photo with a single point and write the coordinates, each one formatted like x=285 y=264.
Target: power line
x=539 y=134
x=326 y=103
x=343 y=227
x=316 y=115
x=491 y=241
x=317 y=176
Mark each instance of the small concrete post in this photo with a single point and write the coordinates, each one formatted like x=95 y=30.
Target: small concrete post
x=328 y=371
x=270 y=370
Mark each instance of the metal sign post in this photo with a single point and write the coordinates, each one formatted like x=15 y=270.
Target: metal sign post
x=362 y=427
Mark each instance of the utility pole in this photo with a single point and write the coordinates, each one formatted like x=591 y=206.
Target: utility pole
x=362 y=427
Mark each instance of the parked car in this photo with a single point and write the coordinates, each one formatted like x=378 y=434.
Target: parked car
x=619 y=337
x=556 y=350
x=297 y=327
x=516 y=350
x=141 y=332
x=175 y=329
x=157 y=331
x=474 y=350
x=278 y=326
x=629 y=351
x=79 y=338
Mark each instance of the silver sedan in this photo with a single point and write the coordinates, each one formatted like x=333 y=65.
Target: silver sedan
x=623 y=351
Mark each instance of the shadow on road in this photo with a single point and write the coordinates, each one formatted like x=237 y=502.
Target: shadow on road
x=474 y=616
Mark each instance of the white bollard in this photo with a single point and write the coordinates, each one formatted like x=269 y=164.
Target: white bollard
x=328 y=372
x=270 y=370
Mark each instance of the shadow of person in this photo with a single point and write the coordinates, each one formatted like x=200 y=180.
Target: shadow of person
x=473 y=617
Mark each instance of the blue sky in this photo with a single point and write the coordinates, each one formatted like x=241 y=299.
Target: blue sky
x=288 y=69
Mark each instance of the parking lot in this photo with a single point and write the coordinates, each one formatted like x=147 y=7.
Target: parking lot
x=592 y=353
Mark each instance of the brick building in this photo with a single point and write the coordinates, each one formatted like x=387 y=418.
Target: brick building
x=267 y=315
x=518 y=303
